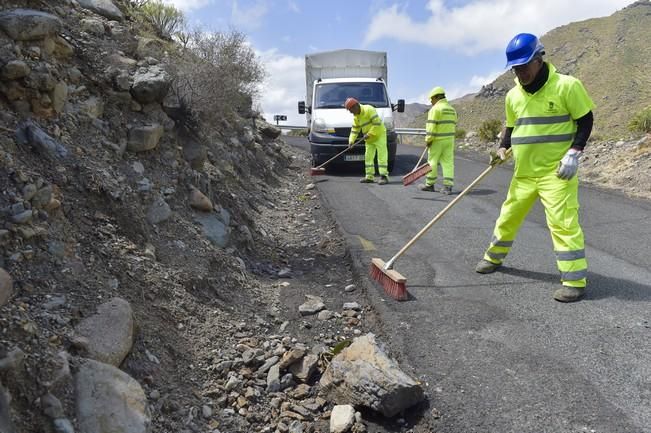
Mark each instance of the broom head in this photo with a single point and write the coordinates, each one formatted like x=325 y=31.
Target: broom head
x=317 y=171
x=421 y=171
x=395 y=285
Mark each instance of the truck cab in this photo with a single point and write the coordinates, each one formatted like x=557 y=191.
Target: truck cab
x=331 y=78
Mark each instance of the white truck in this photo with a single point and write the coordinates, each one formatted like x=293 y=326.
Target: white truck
x=330 y=78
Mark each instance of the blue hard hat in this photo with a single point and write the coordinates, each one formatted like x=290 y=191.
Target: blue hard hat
x=521 y=49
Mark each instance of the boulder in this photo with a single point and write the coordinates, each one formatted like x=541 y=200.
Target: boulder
x=159 y=211
x=6 y=287
x=214 y=229
x=30 y=133
x=150 y=85
x=269 y=131
x=199 y=201
x=29 y=24
x=143 y=138
x=109 y=401
x=105 y=8
x=110 y=332
x=364 y=375
x=342 y=418
x=14 y=70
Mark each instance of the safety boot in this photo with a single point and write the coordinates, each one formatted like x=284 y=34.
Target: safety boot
x=569 y=294
x=426 y=187
x=486 y=267
x=366 y=180
x=446 y=190
x=383 y=180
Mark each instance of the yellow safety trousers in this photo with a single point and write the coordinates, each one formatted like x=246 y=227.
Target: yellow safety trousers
x=441 y=152
x=561 y=202
x=378 y=146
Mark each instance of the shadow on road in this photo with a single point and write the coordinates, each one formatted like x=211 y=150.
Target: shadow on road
x=599 y=286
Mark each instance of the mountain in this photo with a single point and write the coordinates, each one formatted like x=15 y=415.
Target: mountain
x=411 y=111
x=610 y=55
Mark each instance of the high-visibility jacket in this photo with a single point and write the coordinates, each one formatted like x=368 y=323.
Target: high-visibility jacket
x=544 y=123
x=441 y=123
x=368 y=122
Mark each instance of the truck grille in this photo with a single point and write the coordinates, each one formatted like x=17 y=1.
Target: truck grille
x=342 y=132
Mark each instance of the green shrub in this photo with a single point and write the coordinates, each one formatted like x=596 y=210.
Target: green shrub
x=489 y=130
x=216 y=75
x=460 y=133
x=641 y=122
x=166 y=19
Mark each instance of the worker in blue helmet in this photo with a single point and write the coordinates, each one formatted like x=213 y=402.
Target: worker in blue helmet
x=548 y=122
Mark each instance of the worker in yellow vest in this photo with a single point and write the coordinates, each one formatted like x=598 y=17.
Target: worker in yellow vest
x=548 y=122
x=366 y=121
x=440 y=131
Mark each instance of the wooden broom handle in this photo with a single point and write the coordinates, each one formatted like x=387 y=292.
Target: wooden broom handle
x=420 y=159
x=341 y=153
x=389 y=264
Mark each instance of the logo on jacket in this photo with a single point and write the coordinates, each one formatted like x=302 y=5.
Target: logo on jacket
x=551 y=107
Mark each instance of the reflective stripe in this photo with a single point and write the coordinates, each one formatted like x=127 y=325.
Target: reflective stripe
x=498 y=243
x=537 y=139
x=355 y=129
x=542 y=120
x=495 y=256
x=448 y=178
x=566 y=256
x=448 y=111
x=439 y=122
x=574 y=275
x=371 y=121
x=446 y=134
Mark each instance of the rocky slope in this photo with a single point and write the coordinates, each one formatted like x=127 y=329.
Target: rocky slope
x=152 y=278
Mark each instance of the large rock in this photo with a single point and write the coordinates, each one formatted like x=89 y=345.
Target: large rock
x=6 y=287
x=342 y=418
x=29 y=24
x=159 y=211
x=105 y=8
x=364 y=375
x=143 y=138
x=109 y=401
x=269 y=131
x=214 y=229
x=150 y=85
x=30 y=133
x=109 y=332
x=6 y=426
x=14 y=70
x=199 y=201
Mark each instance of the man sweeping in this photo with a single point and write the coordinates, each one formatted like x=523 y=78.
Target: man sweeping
x=367 y=122
x=440 y=129
x=548 y=122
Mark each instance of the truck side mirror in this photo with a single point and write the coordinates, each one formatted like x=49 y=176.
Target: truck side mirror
x=400 y=106
x=301 y=107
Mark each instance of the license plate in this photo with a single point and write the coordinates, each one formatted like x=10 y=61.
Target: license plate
x=353 y=157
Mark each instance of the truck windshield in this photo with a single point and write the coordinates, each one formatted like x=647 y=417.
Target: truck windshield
x=333 y=95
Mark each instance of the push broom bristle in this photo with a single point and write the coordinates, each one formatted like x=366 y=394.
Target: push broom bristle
x=421 y=171
x=315 y=171
x=394 y=284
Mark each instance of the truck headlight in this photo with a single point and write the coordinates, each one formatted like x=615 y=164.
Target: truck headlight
x=388 y=123
x=319 y=125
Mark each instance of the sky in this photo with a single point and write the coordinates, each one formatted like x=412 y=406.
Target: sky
x=456 y=44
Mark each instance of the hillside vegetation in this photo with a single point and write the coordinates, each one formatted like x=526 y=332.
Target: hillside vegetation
x=611 y=55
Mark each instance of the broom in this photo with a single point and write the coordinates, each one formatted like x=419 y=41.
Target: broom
x=417 y=172
x=393 y=282
x=320 y=170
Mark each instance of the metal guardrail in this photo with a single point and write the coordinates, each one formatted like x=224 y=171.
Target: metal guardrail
x=410 y=131
x=400 y=131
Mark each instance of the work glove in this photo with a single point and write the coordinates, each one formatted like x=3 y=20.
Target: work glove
x=367 y=137
x=498 y=156
x=569 y=164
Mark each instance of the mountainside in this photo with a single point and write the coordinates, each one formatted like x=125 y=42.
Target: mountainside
x=412 y=110
x=611 y=56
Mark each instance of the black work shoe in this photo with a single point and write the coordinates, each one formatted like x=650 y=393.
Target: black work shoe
x=569 y=294
x=366 y=180
x=447 y=190
x=486 y=267
x=427 y=188
x=383 y=180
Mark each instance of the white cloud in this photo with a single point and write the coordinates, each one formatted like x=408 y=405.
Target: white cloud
x=187 y=5
x=292 y=6
x=482 y=25
x=251 y=17
x=284 y=86
x=458 y=90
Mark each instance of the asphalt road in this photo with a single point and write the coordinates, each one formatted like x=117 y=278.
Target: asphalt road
x=496 y=352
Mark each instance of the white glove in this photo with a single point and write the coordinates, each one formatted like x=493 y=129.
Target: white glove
x=569 y=164
x=498 y=156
